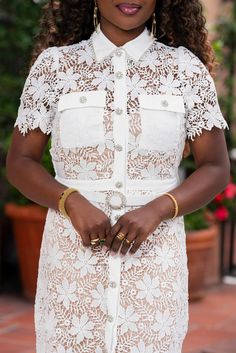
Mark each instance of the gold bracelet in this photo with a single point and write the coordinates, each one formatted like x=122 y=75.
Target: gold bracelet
x=175 y=204
x=62 y=200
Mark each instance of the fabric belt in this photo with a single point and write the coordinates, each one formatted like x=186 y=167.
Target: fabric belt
x=103 y=191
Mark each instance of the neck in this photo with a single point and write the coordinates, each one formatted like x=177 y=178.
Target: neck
x=117 y=35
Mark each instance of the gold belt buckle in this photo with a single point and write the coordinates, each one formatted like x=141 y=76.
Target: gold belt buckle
x=116 y=200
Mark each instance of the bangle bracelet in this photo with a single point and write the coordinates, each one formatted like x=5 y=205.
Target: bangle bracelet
x=175 y=204
x=62 y=200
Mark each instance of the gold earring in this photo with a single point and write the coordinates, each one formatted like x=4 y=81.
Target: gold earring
x=154 y=26
x=95 y=15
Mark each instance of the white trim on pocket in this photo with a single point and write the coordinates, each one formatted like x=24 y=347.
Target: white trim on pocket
x=81 y=118
x=82 y=99
x=161 y=118
x=162 y=102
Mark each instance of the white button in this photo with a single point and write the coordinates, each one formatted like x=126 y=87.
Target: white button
x=118 y=52
x=113 y=284
x=119 y=184
x=119 y=111
x=164 y=103
x=83 y=99
x=119 y=75
x=118 y=148
x=110 y=318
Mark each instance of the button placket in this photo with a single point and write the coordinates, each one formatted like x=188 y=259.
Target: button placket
x=119 y=184
x=113 y=299
x=120 y=121
x=110 y=318
x=119 y=111
x=119 y=52
x=118 y=148
x=119 y=75
x=117 y=216
x=164 y=103
x=119 y=124
x=83 y=99
x=113 y=284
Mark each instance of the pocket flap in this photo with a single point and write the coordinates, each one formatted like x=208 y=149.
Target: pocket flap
x=162 y=102
x=82 y=99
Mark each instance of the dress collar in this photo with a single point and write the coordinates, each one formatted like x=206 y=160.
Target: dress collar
x=135 y=48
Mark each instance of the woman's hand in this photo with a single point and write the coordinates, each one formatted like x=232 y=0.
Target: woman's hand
x=89 y=221
x=136 y=225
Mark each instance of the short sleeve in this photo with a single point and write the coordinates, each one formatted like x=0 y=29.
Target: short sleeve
x=202 y=106
x=39 y=96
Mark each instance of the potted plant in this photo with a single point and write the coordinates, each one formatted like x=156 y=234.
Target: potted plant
x=201 y=236
x=18 y=27
x=223 y=207
x=224 y=204
x=28 y=223
x=203 y=230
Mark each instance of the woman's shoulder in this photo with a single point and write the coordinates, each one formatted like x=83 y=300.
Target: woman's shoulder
x=70 y=48
x=57 y=53
x=181 y=52
x=188 y=63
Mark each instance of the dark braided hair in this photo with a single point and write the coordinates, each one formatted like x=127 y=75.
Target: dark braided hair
x=179 y=22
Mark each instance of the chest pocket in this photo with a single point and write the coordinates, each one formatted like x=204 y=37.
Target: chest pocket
x=81 y=118
x=161 y=119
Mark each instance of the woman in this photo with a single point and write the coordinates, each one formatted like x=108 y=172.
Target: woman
x=119 y=87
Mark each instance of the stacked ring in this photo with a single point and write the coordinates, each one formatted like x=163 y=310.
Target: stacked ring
x=94 y=241
x=120 y=236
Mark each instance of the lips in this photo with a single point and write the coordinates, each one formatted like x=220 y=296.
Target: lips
x=129 y=9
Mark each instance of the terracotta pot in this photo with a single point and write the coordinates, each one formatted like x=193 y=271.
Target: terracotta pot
x=199 y=246
x=28 y=225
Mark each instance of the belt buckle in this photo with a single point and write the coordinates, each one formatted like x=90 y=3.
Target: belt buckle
x=116 y=200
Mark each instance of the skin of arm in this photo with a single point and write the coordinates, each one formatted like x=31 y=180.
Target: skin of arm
x=25 y=172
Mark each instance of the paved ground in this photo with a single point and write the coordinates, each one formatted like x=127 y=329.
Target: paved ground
x=212 y=327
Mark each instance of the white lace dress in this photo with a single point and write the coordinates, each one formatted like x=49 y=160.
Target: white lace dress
x=118 y=119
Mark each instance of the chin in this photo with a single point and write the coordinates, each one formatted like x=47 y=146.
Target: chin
x=127 y=25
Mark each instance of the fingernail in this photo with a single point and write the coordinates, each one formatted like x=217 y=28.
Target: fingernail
x=112 y=252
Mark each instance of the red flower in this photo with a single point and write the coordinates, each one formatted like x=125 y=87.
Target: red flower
x=219 y=198
x=230 y=191
x=222 y=213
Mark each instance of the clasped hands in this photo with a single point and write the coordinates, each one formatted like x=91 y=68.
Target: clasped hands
x=92 y=223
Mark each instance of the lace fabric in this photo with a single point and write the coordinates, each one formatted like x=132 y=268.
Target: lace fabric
x=162 y=70
x=169 y=96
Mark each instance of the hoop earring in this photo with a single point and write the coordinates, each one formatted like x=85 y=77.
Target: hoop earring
x=154 y=26
x=95 y=15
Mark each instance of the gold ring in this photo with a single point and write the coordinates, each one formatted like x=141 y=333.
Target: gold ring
x=120 y=236
x=94 y=241
x=127 y=241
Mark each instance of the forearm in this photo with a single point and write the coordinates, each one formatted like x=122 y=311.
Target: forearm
x=195 y=192
x=34 y=181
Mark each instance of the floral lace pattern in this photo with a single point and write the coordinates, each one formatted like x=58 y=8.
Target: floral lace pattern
x=73 y=282
x=162 y=70
x=71 y=309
